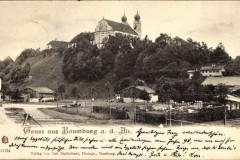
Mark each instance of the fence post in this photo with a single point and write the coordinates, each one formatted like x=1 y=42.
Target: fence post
x=166 y=119
x=225 y=115
x=170 y=123
x=110 y=112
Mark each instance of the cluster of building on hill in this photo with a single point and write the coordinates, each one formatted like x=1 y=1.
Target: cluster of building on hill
x=214 y=75
x=103 y=30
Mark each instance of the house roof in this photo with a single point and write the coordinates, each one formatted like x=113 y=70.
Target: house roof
x=41 y=89
x=58 y=44
x=233 y=98
x=211 y=68
x=121 y=27
x=228 y=81
x=147 y=89
x=142 y=88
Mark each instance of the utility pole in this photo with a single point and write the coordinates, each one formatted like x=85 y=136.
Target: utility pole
x=92 y=90
x=225 y=115
x=134 y=106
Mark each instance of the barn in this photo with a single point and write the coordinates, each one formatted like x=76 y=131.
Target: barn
x=38 y=93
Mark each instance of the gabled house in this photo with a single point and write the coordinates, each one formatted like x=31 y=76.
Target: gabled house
x=56 y=45
x=212 y=71
x=209 y=71
x=233 y=83
x=127 y=93
x=39 y=93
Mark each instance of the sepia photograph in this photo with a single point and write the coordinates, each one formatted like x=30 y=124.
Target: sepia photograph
x=119 y=79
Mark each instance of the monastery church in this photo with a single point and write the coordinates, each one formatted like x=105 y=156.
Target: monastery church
x=103 y=30
x=107 y=27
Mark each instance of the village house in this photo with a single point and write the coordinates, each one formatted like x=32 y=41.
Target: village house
x=56 y=45
x=36 y=94
x=213 y=70
x=233 y=83
x=209 y=71
x=126 y=94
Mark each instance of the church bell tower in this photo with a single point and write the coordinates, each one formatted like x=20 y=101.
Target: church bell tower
x=137 y=25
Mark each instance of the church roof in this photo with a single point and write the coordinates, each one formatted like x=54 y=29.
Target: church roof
x=121 y=27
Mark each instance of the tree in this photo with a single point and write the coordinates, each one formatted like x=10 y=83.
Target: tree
x=25 y=54
x=16 y=94
x=123 y=83
x=221 y=94
x=61 y=90
x=219 y=55
x=221 y=97
x=5 y=89
x=108 y=87
x=75 y=91
x=233 y=67
x=167 y=92
x=144 y=95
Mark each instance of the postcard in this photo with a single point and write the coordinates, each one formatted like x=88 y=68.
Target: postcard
x=119 y=80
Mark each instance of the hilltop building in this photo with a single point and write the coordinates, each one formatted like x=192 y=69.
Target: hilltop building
x=103 y=30
x=56 y=45
x=107 y=27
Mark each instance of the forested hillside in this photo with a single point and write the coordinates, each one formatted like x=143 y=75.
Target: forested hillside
x=162 y=64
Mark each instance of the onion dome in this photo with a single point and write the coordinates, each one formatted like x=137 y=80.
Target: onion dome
x=124 y=18
x=137 y=17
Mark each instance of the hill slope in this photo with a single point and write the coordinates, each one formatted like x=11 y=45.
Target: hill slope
x=47 y=72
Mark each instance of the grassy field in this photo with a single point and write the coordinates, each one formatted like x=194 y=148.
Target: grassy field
x=83 y=116
x=85 y=103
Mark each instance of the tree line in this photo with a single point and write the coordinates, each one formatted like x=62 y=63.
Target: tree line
x=162 y=64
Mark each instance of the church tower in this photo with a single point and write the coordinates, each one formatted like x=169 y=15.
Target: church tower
x=137 y=25
x=124 y=19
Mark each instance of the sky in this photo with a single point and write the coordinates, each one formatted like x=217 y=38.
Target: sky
x=34 y=24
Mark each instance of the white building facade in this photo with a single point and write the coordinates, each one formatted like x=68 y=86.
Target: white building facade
x=105 y=28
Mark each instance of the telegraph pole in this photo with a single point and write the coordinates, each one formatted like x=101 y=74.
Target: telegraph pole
x=225 y=115
x=134 y=106
x=92 y=90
